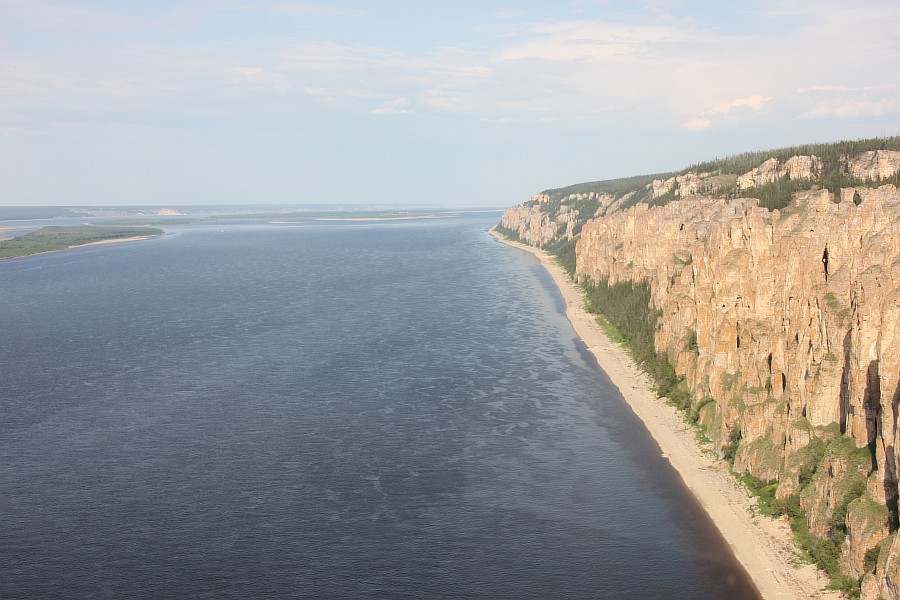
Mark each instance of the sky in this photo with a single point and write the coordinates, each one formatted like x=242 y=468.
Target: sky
x=459 y=104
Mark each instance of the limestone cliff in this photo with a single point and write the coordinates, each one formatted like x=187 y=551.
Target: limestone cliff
x=875 y=164
x=787 y=319
x=796 y=167
x=536 y=226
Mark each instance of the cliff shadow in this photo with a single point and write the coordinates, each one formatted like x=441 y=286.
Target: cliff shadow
x=890 y=480
x=872 y=401
x=845 y=384
x=872 y=408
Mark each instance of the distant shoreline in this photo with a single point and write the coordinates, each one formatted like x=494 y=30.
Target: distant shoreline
x=404 y=218
x=75 y=243
x=762 y=545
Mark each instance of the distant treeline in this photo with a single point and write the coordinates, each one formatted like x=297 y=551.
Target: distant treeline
x=22 y=213
x=779 y=194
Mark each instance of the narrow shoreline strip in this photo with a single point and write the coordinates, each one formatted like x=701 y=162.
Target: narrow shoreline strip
x=96 y=243
x=762 y=545
x=110 y=241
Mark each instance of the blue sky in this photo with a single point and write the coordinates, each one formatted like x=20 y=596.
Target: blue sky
x=466 y=103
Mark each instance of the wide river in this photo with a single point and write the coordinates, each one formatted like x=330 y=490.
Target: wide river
x=394 y=409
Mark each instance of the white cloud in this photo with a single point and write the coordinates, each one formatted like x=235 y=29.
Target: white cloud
x=256 y=79
x=398 y=106
x=854 y=108
x=823 y=88
x=509 y=13
x=751 y=102
x=843 y=102
x=682 y=71
x=286 y=7
x=594 y=40
x=705 y=119
x=64 y=15
x=697 y=124
x=388 y=111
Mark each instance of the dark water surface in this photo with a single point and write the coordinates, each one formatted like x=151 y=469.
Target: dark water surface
x=330 y=410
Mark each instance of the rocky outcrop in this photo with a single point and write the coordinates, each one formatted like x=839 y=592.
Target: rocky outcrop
x=689 y=184
x=532 y=225
x=874 y=165
x=796 y=167
x=543 y=220
x=868 y=525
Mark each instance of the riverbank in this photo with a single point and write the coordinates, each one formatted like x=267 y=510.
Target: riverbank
x=762 y=544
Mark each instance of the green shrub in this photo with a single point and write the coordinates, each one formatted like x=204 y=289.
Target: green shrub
x=729 y=450
x=690 y=343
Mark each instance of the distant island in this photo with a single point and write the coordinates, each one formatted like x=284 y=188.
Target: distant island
x=54 y=238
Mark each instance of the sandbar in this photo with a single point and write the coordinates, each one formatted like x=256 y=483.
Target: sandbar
x=763 y=545
x=110 y=241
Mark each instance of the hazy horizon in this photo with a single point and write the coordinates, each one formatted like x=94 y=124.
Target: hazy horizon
x=189 y=102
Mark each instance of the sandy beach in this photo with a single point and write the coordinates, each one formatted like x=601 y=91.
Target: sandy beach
x=762 y=544
x=112 y=241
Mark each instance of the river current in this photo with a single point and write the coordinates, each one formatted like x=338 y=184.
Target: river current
x=325 y=409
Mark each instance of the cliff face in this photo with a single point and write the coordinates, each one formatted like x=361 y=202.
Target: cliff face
x=535 y=226
x=789 y=321
x=875 y=164
x=796 y=167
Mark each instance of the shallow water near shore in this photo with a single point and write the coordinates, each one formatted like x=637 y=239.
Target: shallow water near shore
x=327 y=410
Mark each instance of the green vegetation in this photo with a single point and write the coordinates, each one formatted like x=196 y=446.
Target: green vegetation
x=730 y=380
x=840 y=311
x=779 y=193
x=824 y=552
x=17 y=213
x=59 y=238
x=723 y=174
x=808 y=460
x=613 y=187
x=767 y=503
x=509 y=234
x=729 y=450
x=625 y=306
x=828 y=152
x=697 y=409
x=690 y=342
x=564 y=251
